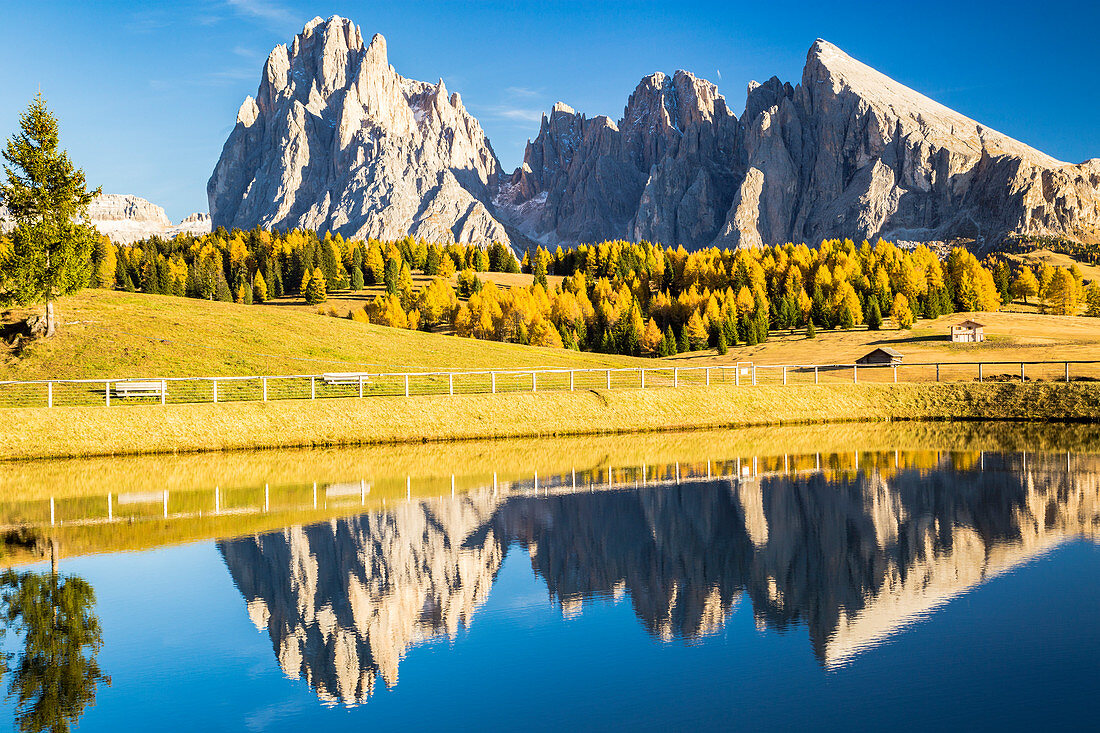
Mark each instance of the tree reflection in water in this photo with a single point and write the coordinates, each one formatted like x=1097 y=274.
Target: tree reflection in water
x=55 y=674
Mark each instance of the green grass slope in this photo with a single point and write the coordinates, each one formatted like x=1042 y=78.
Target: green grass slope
x=116 y=334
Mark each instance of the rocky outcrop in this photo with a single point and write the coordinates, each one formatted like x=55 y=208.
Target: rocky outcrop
x=336 y=140
x=195 y=225
x=663 y=173
x=127 y=219
x=848 y=152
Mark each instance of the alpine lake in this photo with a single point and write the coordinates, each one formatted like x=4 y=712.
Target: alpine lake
x=842 y=577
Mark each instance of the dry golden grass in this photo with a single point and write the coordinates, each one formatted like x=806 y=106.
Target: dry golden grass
x=85 y=431
x=116 y=334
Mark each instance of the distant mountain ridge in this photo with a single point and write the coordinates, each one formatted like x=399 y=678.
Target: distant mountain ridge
x=127 y=219
x=336 y=140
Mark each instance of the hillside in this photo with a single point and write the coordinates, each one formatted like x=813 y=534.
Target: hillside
x=1010 y=336
x=117 y=334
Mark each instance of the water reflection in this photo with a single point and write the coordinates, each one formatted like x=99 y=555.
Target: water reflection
x=54 y=675
x=851 y=555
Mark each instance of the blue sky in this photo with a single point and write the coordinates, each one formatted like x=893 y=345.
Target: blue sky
x=147 y=92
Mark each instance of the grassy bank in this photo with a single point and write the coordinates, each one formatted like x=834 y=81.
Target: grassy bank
x=80 y=431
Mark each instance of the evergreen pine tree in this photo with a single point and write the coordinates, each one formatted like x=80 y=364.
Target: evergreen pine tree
x=50 y=252
x=316 y=290
x=874 y=315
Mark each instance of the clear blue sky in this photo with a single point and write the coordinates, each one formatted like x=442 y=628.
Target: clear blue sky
x=147 y=92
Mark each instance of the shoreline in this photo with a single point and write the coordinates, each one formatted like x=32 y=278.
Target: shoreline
x=69 y=432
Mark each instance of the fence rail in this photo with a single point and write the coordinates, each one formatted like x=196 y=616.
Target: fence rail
x=180 y=390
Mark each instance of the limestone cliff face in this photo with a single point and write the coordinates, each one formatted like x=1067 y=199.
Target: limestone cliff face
x=336 y=140
x=663 y=173
x=848 y=152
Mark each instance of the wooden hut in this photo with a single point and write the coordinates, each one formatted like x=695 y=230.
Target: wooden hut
x=882 y=355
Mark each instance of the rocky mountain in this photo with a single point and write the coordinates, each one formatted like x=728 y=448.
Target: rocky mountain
x=126 y=219
x=337 y=140
x=848 y=152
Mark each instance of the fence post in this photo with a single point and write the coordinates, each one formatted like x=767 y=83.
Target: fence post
x=215 y=390
x=450 y=384
x=534 y=381
x=895 y=375
x=784 y=375
x=643 y=377
x=815 y=375
x=361 y=387
x=406 y=385
x=313 y=388
x=979 y=372
x=570 y=380
x=736 y=375
x=1021 y=372
x=265 y=389
x=675 y=376
x=107 y=392
x=1067 y=372
x=754 y=375
x=609 y=379
x=708 y=376
x=49 y=394
x=855 y=374
x=163 y=391
x=937 y=372
x=493 y=381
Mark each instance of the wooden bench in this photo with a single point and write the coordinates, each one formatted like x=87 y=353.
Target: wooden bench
x=140 y=389
x=345 y=378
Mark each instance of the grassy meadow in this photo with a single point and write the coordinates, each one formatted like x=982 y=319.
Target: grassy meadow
x=117 y=334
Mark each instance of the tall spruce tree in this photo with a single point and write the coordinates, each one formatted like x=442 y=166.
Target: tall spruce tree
x=47 y=196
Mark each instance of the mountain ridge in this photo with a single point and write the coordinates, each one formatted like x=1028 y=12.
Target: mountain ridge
x=336 y=140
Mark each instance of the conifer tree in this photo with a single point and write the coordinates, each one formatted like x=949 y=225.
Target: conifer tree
x=316 y=290
x=900 y=312
x=51 y=247
x=696 y=332
x=651 y=339
x=874 y=316
x=259 y=289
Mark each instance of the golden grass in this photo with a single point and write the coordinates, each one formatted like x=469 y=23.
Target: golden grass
x=86 y=431
x=116 y=334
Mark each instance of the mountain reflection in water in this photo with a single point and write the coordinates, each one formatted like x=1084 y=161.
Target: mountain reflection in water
x=852 y=556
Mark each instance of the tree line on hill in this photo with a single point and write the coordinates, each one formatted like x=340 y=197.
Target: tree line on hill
x=614 y=297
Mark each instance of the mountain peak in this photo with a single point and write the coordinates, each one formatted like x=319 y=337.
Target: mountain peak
x=830 y=67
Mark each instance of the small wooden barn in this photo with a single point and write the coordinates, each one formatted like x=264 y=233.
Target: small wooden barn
x=882 y=355
x=968 y=332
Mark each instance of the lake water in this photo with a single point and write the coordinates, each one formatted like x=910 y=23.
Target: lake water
x=939 y=578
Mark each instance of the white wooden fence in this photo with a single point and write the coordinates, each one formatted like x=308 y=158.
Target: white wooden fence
x=178 y=390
